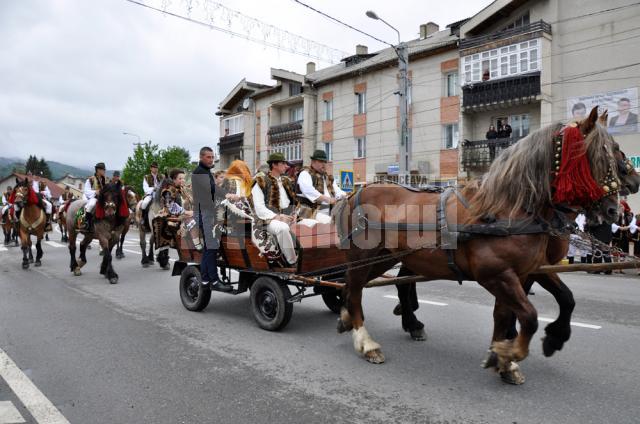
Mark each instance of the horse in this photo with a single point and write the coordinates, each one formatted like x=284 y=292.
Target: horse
x=32 y=221
x=147 y=227
x=10 y=227
x=111 y=213
x=132 y=201
x=62 y=221
x=498 y=263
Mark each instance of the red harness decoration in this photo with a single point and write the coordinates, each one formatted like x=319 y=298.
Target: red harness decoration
x=574 y=183
x=123 y=209
x=32 y=197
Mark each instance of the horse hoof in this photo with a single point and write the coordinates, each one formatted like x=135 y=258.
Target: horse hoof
x=25 y=265
x=397 y=310
x=113 y=280
x=375 y=356
x=77 y=272
x=418 y=335
x=38 y=263
x=491 y=361
x=165 y=267
x=513 y=375
x=145 y=265
x=551 y=344
x=30 y=260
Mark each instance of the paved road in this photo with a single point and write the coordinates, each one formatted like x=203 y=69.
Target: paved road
x=130 y=353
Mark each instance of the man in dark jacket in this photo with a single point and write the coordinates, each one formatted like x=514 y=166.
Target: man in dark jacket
x=204 y=189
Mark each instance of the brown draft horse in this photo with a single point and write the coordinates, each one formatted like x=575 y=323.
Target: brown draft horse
x=10 y=227
x=499 y=264
x=111 y=212
x=32 y=221
x=558 y=332
x=132 y=199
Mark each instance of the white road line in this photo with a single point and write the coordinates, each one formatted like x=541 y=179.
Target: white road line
x=41 y=408
x=575 y=324
x=132 y=251
x=428 y=302
x=54 y=244
x=3 y=249
x=9 y=414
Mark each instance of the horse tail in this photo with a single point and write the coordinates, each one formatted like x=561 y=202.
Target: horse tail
x=339 y=216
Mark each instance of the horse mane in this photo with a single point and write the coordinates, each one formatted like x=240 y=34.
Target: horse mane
x=597 y=140
x=519 y=178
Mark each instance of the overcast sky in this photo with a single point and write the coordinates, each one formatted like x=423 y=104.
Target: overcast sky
x=75 y=74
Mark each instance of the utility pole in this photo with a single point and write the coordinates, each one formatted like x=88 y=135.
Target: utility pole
x=404 y=153
x=405 y=131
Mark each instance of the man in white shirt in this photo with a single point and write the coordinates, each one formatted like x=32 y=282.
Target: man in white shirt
x=150 y=183
x=45 y=196
x=92 y=188
x=275 y=202
x=316 y=190
x=5 y=202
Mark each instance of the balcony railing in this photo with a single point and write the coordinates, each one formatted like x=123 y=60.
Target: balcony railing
x=478 y=155
x=231 y=143
x=285 y=132
x=540 y=25
x=519 y=89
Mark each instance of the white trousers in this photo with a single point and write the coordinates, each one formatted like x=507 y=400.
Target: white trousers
x=90 y=205
x=323 y=218
x=47 y=206
x=146 y=201
x=285 y=241
x=4 y=209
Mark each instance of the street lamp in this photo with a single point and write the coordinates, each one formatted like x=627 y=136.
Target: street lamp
x=405 y=135
x=133 y=135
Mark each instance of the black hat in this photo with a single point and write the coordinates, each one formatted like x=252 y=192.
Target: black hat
x=276 y=157
x=154 y=164
x=100 y=165
x=319 y=155
x=116 y=173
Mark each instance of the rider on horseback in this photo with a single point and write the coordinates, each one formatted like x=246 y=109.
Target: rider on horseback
x=92 y=188
x=149 y=185
x=6 y=205
x=45 y=197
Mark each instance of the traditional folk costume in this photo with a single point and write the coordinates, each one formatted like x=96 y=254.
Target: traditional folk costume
x=311 y=185
x=149 y=185
x=45 y=197
x=92 y=187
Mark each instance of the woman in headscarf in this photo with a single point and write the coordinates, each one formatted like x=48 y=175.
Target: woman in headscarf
x=234 y=194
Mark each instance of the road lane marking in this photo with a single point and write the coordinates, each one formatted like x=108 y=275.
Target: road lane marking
x=575 y=324
x=54 y=244
x=132 y=251
x=427 y=302
x=41 y=408
x=9 y=414
x=3 y=249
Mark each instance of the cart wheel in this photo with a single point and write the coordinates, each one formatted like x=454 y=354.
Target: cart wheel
x=333 y=300
x=194 y=297
x=269 y=303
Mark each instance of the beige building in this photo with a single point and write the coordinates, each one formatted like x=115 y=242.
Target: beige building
x=358 y=120
x=531 y=63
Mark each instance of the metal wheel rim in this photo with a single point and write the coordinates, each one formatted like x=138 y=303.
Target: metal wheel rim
x=192 y=289
x=267 y=304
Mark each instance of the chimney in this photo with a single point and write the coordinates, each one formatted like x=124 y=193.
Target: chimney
x=311 y=67
x=428 y=29
x=360 y=49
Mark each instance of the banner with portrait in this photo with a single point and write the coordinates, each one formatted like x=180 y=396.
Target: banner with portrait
x=621 y=104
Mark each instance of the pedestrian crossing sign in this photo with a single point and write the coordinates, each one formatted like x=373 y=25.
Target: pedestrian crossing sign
x=346 y=180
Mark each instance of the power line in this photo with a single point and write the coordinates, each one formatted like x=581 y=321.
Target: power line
x=272 y=36
x=341 y=22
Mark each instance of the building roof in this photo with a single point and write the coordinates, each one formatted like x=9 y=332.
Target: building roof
x=440 y=40
x=498 y=9
x=54 y=188
x=241 y=90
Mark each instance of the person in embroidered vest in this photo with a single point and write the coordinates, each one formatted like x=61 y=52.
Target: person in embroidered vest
x=275 y=202
x=92 y=188
x=316 y=190
x=5 y=202
x=45 y=197
x=66 y=195
x=150 y=183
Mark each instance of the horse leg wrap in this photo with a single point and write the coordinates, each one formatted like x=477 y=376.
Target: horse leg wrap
x=362 y=341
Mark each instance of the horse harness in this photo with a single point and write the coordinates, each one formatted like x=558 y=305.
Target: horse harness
x=451 y=233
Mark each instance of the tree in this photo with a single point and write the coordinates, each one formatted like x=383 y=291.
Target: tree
x=31 y=165
x=37 y=167
x=137 y=165
x=43 y=169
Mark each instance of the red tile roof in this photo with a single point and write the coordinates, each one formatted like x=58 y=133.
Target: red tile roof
x=55 y=189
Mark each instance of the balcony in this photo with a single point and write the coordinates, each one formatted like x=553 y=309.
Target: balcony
x=499 y=93
x=285 y=132
x=534 y=27
x=478 y=155
x=231 y=143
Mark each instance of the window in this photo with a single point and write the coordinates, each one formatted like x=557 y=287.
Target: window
x=503 y=62
x=292 y=150
x=233 y=125
x=519 y=125
x=361 y=103
x=295 y=88
x=452 y=84
x=328 y=110
x=296 y=114
x=328 y=149
x=450 y=136
x=361 y=147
